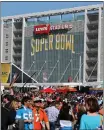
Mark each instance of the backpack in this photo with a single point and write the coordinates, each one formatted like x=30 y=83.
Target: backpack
x=18 y=125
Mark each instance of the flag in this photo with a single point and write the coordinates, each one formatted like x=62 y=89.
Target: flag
x=15 y=77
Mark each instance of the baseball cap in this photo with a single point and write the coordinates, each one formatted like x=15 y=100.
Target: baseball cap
x=37 y=99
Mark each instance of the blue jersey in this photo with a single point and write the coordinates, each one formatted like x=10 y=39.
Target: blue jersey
x=25 y=114
x=90 y=122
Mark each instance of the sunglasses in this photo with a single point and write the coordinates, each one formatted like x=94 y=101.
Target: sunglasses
x=37 y=102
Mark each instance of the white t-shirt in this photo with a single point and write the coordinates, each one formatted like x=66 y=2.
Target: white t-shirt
x=66 y=123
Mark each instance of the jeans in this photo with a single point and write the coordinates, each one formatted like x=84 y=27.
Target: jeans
x=66 y=128
x=52 y=125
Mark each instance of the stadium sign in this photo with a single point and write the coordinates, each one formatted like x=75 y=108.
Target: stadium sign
x=53 y=42
x=42 y=29
x=61 y=26
x=46 y=28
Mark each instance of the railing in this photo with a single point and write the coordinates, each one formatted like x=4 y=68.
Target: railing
x=17 y=47
x=17 y=30
x=17 y=42
x=17 y=39
x=92 y=50
x=92 y=40
x=92 y=22
x=17 y=63
x=91 y=68
x=92 y=78
x=93 y=31
x=17 y=55
x=92 y=58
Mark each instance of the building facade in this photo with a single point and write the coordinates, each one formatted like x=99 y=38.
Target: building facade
x=58 y=46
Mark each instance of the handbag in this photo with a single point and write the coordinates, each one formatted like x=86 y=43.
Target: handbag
x=18 y=125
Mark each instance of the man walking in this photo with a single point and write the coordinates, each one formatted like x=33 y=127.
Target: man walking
x=40 y=116
x=52 y=113
x=26 y=114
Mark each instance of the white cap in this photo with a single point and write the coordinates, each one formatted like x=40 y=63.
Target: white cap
x=37 y=99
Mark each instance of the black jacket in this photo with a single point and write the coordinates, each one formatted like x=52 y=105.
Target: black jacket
x=7 y=105
x=6 y=118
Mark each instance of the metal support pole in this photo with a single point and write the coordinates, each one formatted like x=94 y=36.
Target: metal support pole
x=53 y=69
x=12 y=49
x=1 y=37
x=40 y=70
x=24 y=73
x=48 y=19
x=85 y=40
x=61 y=18
x=92 y=71
x=99 y=45
x=65 y=70
x=30 y=67
x=23 y=31
x=79 y=71
x=103 y=63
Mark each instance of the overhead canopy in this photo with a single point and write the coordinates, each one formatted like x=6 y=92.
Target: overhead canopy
x=66 y=89
x=96 y=88
x=48 y=90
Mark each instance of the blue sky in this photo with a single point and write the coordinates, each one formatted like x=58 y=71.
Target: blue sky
x=14 y=8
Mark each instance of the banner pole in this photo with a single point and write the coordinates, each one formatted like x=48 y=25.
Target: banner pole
x=103 y=63
x=11 y=73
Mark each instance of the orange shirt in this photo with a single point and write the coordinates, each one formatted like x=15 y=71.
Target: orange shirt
x=38 y=117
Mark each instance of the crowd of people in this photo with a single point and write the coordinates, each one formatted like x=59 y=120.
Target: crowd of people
x=51 y=111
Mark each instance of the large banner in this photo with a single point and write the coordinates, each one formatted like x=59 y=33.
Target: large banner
x=5 y=71
x=46 y=28
x=53 y=42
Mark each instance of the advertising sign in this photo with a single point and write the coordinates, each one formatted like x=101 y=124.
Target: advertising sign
x=60 y=26
x=53 y=42
x=46 y=28
x=5 y=67
x=42 y=29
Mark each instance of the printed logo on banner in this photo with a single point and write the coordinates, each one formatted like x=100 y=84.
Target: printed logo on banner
x=5 y=72
x=42 y=29
x=46 y=28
